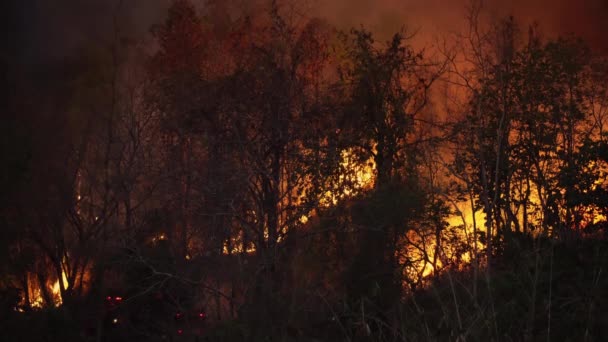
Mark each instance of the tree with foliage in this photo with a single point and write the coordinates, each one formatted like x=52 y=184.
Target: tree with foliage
x=386 y=90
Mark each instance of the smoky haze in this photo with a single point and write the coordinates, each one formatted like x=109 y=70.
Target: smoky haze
x=54 y=29
x=431 y=18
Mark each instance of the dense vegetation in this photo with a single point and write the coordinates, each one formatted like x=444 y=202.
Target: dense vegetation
x=259 y=175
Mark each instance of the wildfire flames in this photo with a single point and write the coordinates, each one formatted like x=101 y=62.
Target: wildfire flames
x=36 y=292
x=420 y=255
x=47 y=293
x=422 y=259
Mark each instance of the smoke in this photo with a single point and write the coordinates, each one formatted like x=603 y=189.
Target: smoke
x=433 y=18
x=54 y=29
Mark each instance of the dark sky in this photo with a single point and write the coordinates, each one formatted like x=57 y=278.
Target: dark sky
x=54 y=28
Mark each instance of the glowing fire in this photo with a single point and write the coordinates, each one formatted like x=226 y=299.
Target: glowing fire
x=237 y=245
x=357 y=177
x=420 y=255
x=57 y=289
x=48 y=293
x=35 y=292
